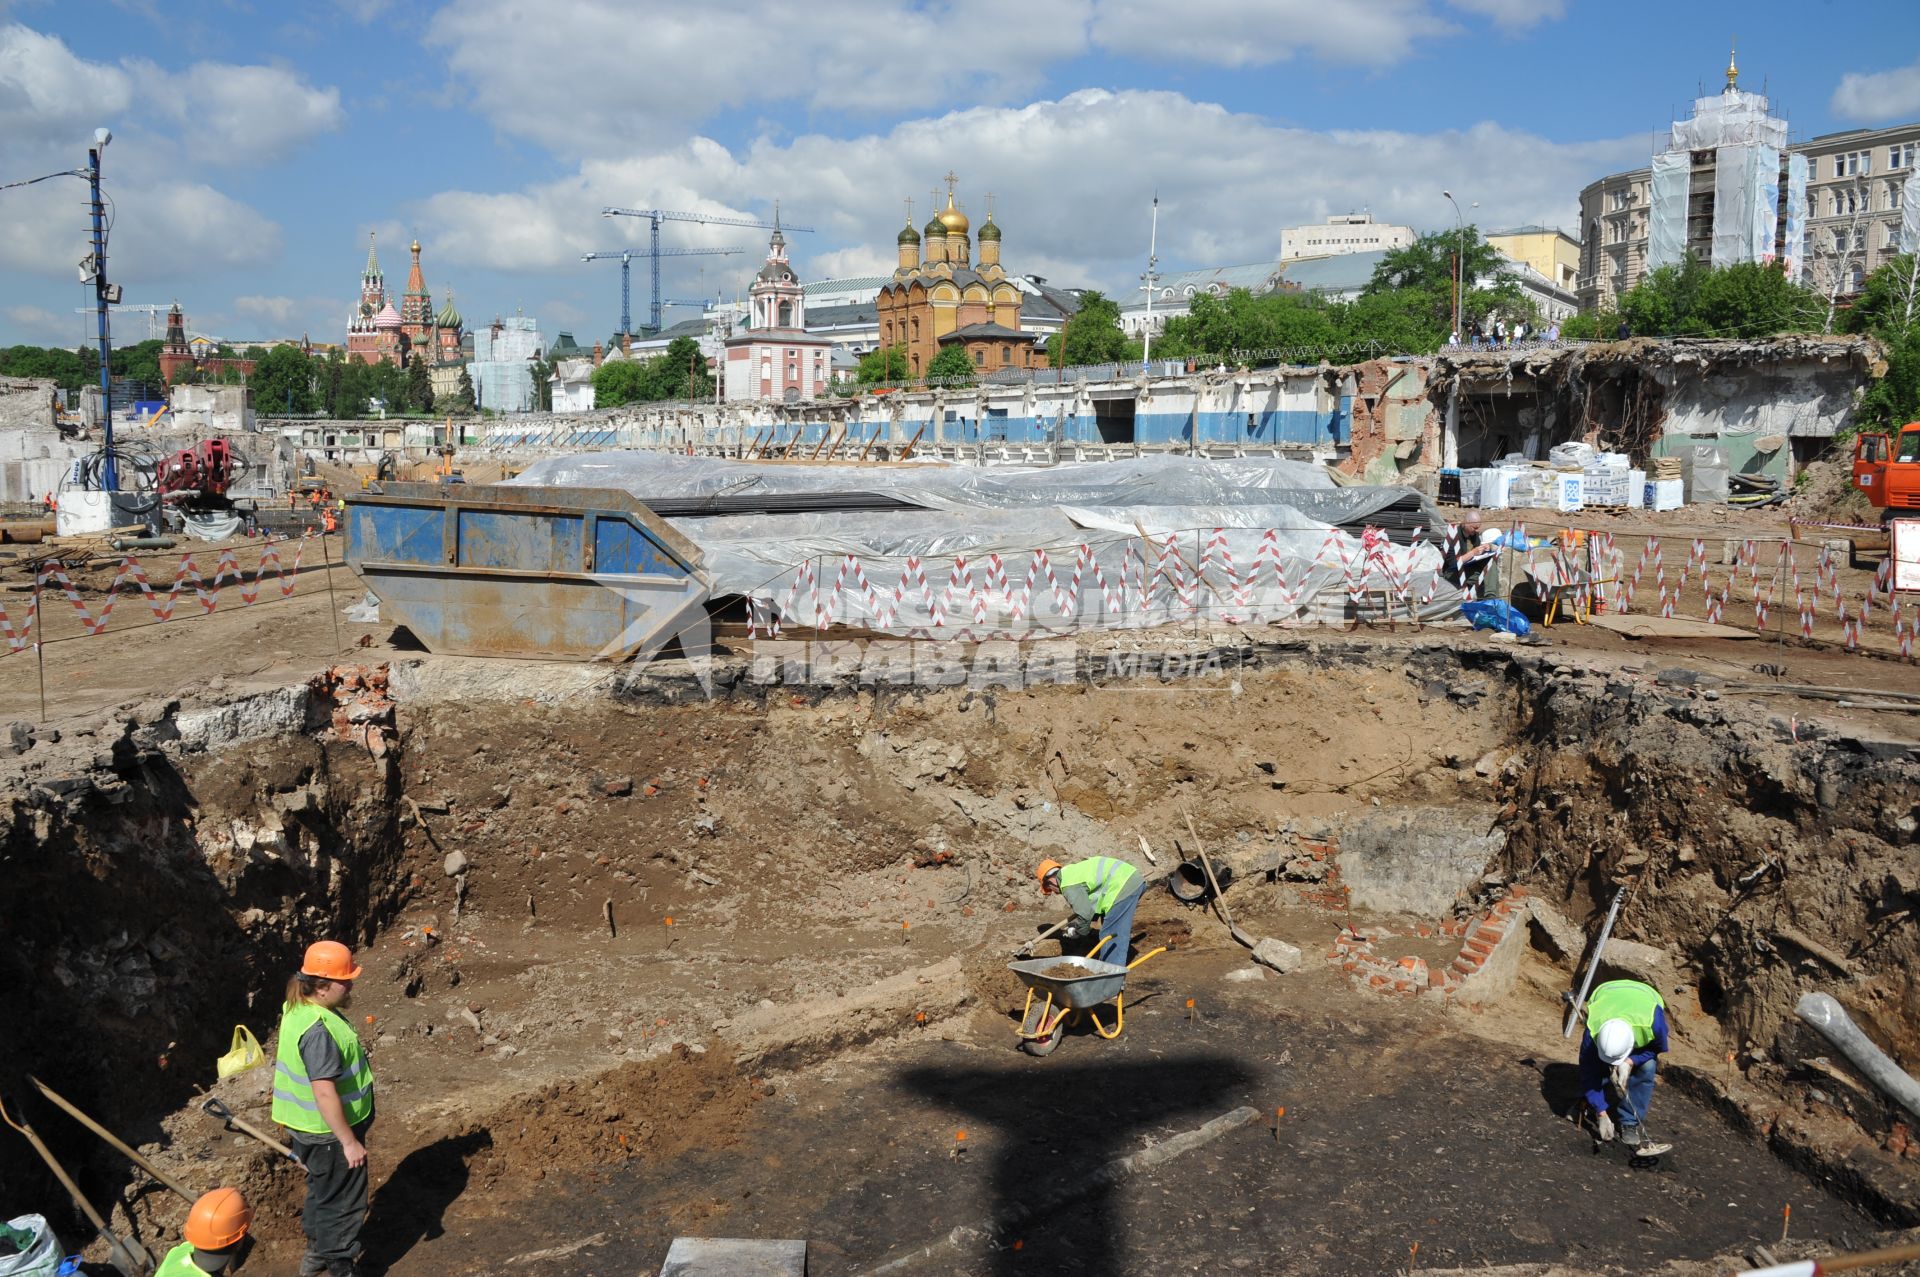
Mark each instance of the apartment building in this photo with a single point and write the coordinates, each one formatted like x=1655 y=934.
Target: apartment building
x=1724 y=189
x=1343 y=233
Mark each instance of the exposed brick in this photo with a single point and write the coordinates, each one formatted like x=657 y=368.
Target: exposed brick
x=1478 y=948
x=1438 y=980
x=1376 y=982
x=1517 y=893
x=1487 y=935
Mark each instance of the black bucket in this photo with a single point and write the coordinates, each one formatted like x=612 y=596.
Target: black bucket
x=1188 y=883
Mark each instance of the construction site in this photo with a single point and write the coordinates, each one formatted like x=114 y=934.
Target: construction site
x=682 y=814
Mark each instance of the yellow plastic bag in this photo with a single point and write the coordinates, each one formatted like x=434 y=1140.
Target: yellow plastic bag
x=244 y=1054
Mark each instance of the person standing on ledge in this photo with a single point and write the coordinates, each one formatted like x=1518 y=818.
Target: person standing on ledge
x=323 y=1095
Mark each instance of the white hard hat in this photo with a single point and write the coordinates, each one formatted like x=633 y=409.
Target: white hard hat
x=1490 y=537
x=1614 y=1041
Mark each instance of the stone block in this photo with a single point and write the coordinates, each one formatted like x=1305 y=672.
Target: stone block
x=1418 y=860
x=1279 y=955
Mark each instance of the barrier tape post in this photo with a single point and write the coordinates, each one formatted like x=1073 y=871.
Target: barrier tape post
x=333 y=604
x=39 y=648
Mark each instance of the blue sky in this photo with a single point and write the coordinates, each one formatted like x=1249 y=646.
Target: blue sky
x=257 y=144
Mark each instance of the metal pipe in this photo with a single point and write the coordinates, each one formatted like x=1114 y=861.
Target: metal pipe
x=109 y=469
x=1586 y=982
x=1836 y=1026
x=143 y=543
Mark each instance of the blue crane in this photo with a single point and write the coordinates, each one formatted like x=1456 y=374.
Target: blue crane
x=655 y=216
x=625 y=257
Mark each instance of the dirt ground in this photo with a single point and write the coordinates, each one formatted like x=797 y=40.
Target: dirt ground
x=639 y=970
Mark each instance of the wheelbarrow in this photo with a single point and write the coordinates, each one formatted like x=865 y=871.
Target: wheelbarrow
x=1067 y=996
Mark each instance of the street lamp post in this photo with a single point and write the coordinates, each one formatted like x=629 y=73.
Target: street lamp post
x=109 y=472
x=1459 y=261
x=1150 y=281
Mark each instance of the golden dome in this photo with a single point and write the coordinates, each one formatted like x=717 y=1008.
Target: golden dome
x=952 y=218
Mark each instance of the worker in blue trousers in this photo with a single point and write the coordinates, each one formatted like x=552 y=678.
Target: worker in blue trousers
x=1626 y=1034
x=1103 y=893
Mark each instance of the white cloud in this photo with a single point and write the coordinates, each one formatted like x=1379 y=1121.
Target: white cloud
x=1244 y=33
x=1879 y=96
x=1514 y=15
x=1072 y=179
x=47 y=95
x=278 y=311
x=239 y=115
x=363 y=11
x=38 y=326
x=629 y=75
x=164 y=231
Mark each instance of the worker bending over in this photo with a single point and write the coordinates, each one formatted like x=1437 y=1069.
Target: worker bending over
x=1103 y=893
x=323 y=1095
x=1626 y=1032
x=216 y=1227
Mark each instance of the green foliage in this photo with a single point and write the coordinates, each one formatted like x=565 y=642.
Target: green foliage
x=679 y=372
x=1091 y=335
x=419 y=385
x=283 y=381
x=1422 y=276
x=542 y=386
x=352 y=390
x=463 y=393
x=1889 y=308
x=952 y=367
x=138 y=362
x=621 y=381
x=1747 y=299
x=889 y=363
x=68 y=369
x=1595 y=325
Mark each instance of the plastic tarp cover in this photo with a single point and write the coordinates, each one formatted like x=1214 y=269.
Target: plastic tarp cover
x=1910 y=214
x=1766 y=203
x=1795 y=248
x=1733 y=180
x=1667 y=222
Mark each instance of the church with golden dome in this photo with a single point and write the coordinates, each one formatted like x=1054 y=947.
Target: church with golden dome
x=939 y=296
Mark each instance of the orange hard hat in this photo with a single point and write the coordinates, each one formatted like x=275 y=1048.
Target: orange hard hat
x=329 y=960
x=218 y=1219
x=1044 y=868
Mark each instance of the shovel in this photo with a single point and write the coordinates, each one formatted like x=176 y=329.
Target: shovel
x=215 y=1108
x=129 y=1256
x=107 y=1135
x=1219 y=901
x=1028 y=947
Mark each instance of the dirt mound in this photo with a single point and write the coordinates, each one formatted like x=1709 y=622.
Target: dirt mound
x=651 y=1109
x=1825 y=492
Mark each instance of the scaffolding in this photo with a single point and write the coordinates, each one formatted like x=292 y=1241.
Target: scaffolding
x=502 y=368
x=1721 y=171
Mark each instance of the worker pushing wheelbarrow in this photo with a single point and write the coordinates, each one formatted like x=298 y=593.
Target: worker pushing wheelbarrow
x=1103 y=893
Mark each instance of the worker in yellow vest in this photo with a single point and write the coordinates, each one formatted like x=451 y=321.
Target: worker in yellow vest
x=1626 y=1034
x=323 y=1095
x=215 y=1234
x=1103 y=893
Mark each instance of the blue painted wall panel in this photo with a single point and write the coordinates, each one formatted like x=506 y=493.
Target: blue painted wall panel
x=528 y=542
x=618 y=546
x=396 y=535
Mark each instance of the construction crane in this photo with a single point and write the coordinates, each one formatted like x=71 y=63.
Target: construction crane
x=153 y=313
x=655 y=216
x=625 y=257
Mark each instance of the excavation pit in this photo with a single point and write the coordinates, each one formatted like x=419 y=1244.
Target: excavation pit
x=643 y=965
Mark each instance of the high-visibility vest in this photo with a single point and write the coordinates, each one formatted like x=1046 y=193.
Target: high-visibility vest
x=293 y=1104
x=1627 y=1000
x=179 y=1263
x=1102 y=877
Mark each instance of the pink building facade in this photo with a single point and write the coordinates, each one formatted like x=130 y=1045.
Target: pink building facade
x=776 y=358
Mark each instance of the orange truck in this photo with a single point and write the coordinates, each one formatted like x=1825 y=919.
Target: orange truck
x=1886 y=467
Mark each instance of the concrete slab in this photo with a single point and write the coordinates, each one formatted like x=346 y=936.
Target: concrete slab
x=1417 y=860
x=734 y=1257
x=1636 y=625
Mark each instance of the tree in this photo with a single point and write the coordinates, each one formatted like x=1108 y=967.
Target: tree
x=889 y=363
x=542 y=386
x=619 y=381
x=463 y=401
x=1425 y=270
x=682 y=372
x=283 y=381
x=1889 y=308
x=354 y=389
x=1091 y=335
x=327 y=374
x=951 y=367
x=419 y=385
x=139 y=362
x=1747 y=299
